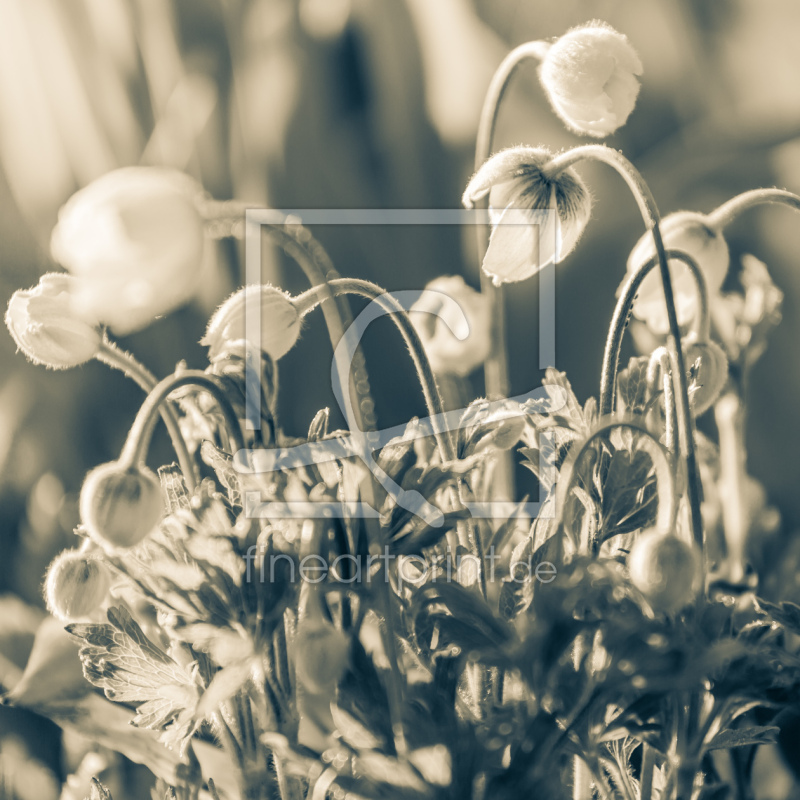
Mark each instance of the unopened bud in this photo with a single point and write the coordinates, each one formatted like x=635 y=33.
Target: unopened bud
x=590 y=77
x=666 y=570
x=46 y=328
x=76 y=585
x=690 y=233
x=273 y=323
x=120 y=506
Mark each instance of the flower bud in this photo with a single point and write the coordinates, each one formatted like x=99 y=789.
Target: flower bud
x=589 y=76
x=76 y=585
x=277 y=330
x=45 y=327
x=135 y=239
x=708 y=371
x=120 y=506
x=666 y=570
x=689 y=232
x=455 y=344
x=537 y=220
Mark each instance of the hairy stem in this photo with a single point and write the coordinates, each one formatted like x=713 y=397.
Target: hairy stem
x=649 y=210
x=115 y=357
x=138 y=441
x=721 y=217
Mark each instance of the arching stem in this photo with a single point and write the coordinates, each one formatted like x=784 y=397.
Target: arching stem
x=619 y=322
x=649 y=210
x=115 y=357
x=138 y=441
x=496 y=367
x=721 y=217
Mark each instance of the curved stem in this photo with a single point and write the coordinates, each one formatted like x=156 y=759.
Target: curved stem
x=661 y=365
x=667 y=506
x=721 y=217
x=496 y=365
x=138 y=441
x=619 y=322
x=649 y=210
x=430 y=390
x=226 y=218
x=115 y=357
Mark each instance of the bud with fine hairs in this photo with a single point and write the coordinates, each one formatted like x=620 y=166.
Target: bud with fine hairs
x=135 y=239
x=590 y=77
x=690 y=233
x=121 y=505
x=278 y=327
x=537 y=219
x=45 y=327
x=77 y=583
x=455 y=344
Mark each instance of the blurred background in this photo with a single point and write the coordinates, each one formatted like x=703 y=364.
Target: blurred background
x=360 y=104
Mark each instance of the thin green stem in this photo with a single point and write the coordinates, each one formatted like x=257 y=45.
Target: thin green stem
x=723 y=216
x=138 y=441
x=619 y=322
x=661 y=366
x=496 y=365
x=649 y=210
x=115 y=357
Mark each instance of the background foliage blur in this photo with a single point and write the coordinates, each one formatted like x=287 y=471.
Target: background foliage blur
x=365 y=104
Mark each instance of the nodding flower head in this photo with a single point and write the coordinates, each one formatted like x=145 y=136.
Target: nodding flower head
x=689 y=232
x=45 y=327
x=455 y=344
x=537 y=219
x=121 y=505
x=275 y=319
x=590 y=77
x=76 y=585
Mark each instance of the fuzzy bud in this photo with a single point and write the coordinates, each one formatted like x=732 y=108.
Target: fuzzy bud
x=689 y=232
x=120 y=506
x=279 y=327
x=76 y=585
x=455 y=344
x=666 y=570
x=537 y=220
x=45 y=327
x=135 y=239
x=590 y=77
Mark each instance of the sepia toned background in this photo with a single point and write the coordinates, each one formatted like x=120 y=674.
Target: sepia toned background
x=362 y=104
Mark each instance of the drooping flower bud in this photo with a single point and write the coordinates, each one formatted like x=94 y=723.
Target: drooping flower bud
x=120 y=506
x=76 y=585
x=666 y=570
x=455 y=345
x=135 y=239
x=46 y=328
x=689 y=232
x=537 y=220
x=277 y=330
x=590 y=78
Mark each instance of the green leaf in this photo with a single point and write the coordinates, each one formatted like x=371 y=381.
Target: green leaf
x=742 y=737
x=174 y=487
x=222 y=464
x=632 y=385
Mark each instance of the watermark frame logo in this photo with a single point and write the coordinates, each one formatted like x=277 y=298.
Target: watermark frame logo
x=364 y=444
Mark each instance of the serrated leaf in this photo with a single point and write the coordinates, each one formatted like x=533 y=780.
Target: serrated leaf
x=742 y=737
x=222 y=464
x=632 y=385
x=98 y=791
x=174 y=487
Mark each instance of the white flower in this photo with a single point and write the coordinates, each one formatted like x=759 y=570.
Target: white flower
x=46 y=328
x=589 y=76
x=537 y=220
x=278 y=326
x=134 y=238
x=689 y=232
x=455 y=344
